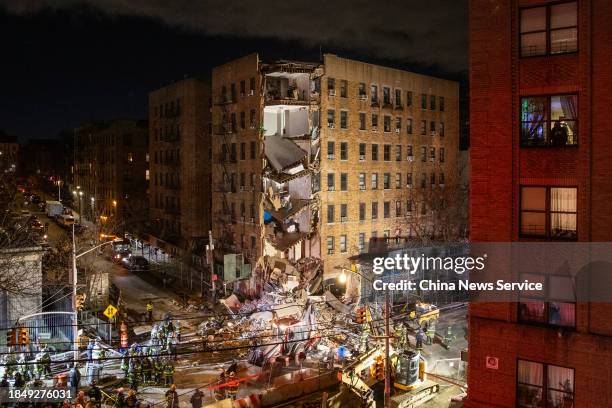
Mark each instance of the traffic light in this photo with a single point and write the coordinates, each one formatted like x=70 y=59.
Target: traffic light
x=11 y=337
x=80 y=301
x=360 y=315
x=24 y=336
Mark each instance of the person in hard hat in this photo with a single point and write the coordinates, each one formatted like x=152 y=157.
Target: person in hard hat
x=177 y=330
x=172 y=399
x=150 y=310
x=232 y=386
x=196 y=398
x=169 y=373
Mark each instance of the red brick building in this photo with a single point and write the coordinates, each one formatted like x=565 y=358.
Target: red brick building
x=541 y=87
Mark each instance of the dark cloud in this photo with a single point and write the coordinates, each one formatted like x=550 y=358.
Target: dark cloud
x=432 y=32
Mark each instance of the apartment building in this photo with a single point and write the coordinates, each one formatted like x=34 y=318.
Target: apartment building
x=315 y=159
x=9 y=152
x=540 y=172
x=180 y=185
x=111 y=173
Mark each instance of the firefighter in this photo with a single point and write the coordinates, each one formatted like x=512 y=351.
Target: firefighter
x=220 y=388
x=132 y=376
x=177 y=330
x=232 y=386
x=147 y=371
x=46 y=362
x=150 y=311
x=169 y=373
x=172 y=399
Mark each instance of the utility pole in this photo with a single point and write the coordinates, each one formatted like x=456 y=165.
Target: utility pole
x=210 y=251
x=387 y=359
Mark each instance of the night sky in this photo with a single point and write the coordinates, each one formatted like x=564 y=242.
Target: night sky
x=65 y=62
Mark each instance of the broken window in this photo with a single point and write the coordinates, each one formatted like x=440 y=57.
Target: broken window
x=330 y=213
x=343 y=119
x=398 y=180
x=362 y=182
x=374 y=181
x=398 y=153
x=387 y=152
x=331 y=117
x=343 y=212
x=362 y=211
x=343 y=181
x=343 y=151
x=342 y=243
x=331 y=147
x=330 y=245
x=398 y=124
x=374 y=122
x=343 y=88
x=387 y=181
x=362 y=151
x=374 y=210
x=362 y=121
x=330 y=182
x=398 y=98
x=374 y=152
x=386 y=210
x=386 y=96
x=387 y=123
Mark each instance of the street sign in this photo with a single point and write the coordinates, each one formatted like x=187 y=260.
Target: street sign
x=110 y=311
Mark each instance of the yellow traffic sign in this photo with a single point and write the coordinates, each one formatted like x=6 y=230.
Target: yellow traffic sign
x=110 y=311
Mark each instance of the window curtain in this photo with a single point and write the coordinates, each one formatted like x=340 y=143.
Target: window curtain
x=533 y=118
x=560 y=386
x=569 y=105
x=562 y=202
x=530 y=373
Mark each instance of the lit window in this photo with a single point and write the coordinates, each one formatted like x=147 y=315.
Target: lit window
x=549 y=120
x=549 y=30
x=549 y=212
x=544 y=385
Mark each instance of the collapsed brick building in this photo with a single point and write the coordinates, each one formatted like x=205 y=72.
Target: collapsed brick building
x=316 y=159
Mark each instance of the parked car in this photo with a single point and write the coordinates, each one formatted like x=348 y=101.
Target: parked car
x=121 y=254
x=65 y=221
x=136 y=263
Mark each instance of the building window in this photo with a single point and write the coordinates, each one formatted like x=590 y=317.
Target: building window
x=432 y=127
x=242 y=151
x=242 y=87
x=330 y=182
x=423 y=180
x=408 y=179
x=343 y=151
x=252 y=119
x=441 y=104
x=432 y=102
x=330 y=213
x=549 y=212
x=387 y=152
x=432 y=154
x=331 y=117
x=374 y=94
x=441 y=155
x=398 y=98
x=409 y=98
x=386 y=209
x=423 y=101
x=423 y=154
x=331 y=147
x=398 y=124
x=544 y=385
x=343 y=181
x=331 y=86
x=387 y=123
x=408 y=207
x=343 y=88
x=441 y=129
x=441 y=181
x=343 y=119
x=549 y=29
x=398 y=208
x=432 y=179
x=253 y=150
x=409 y=126
x=398 y=153
x=386 y=96
x=374 y=152
x=252 y=86
x=374 y=210
x=362 y=151
x=362 y=90
x=387 y=181
x=362 y=121
x=242 y=120
x=374 y=122
x=374 y=181
x=343 y=212
x=398 y=180
x=549 y=121
x=362 y=182
x=556 y=307
x=423 y=127
x=330 y=245
x=343 y=243
x=361 y=242
x=362 y=211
